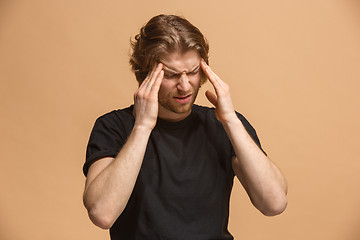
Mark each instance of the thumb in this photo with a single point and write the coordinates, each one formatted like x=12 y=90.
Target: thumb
x=211 y=97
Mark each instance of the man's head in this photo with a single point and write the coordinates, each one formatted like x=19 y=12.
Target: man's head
x=163 y=35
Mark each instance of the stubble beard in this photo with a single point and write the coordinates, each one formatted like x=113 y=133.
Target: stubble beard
x=171 y=105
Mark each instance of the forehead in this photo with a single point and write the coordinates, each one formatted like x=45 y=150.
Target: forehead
x=180 y=62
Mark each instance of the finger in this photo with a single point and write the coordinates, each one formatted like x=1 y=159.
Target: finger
x=214 y=79
x=149 y=77
x=157 y=82
x=155 y=75
x=211 y=97
x=145 y=82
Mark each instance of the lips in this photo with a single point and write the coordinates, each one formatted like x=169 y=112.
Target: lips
x=183 y=99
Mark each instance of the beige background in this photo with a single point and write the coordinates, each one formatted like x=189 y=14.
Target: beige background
x=294 y=72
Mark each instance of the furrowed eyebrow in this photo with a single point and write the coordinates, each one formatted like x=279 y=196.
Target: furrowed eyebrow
x=171 y=71
x=195 y=68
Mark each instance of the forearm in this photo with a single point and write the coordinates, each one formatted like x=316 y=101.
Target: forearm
x=109 y=184
x=106 y=196
x=261 y=178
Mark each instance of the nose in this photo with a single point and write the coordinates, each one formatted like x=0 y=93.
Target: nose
x=183 y=84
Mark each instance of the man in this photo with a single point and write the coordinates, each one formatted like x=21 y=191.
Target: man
x=163 y=168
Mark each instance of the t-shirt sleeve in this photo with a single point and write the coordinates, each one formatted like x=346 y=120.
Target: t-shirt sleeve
x=252 y=132
x=105 y=140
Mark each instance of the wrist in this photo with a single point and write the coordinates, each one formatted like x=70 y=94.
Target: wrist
x=143 y=128
x=229 y=119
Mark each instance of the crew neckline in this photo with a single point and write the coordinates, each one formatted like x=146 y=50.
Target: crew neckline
x=175 y=125
x=169 y=124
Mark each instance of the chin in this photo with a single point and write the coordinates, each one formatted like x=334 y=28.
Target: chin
x=176 y=110
x=182 y=109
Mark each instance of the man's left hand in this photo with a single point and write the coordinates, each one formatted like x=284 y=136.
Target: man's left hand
x=224 y=109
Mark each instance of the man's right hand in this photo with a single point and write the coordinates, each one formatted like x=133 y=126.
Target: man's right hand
x=110 y=181
x=146 y=99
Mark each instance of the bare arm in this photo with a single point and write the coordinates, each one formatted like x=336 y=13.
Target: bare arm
x=110 y=181
x=262 y=180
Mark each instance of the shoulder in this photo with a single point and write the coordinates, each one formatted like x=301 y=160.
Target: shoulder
x=109 y=133
x=208 y=113
x=202 y=109
x=116 y=117
x=125 y=113
x=204 y=112
x=117 y=123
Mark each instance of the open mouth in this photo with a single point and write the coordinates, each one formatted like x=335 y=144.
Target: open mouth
x=183 y=99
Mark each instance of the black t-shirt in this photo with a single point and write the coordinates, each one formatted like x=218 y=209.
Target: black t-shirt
x=184 y=184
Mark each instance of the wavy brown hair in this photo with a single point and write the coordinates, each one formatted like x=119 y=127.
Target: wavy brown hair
x=164 y=34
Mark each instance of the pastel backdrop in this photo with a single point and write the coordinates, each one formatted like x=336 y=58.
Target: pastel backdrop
x=294 y=72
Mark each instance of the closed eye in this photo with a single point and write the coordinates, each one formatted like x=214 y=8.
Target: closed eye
x=193 y=72
x=169 y=76
x=172 y=75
